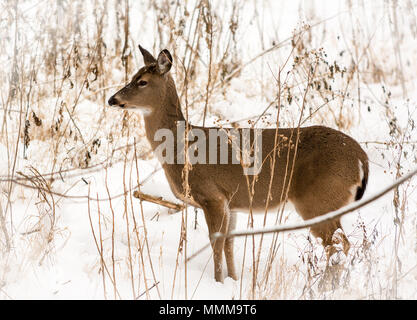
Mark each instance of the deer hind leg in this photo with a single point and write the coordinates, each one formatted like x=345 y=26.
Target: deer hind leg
x=217 y=216
x=331 y=239
x=228 y=248
x=327 y=233
x=316 y=203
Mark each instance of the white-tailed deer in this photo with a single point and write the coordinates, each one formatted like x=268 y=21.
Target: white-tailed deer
x=329 y=169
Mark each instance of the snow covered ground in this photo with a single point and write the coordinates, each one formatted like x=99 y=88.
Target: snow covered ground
x=65 y=246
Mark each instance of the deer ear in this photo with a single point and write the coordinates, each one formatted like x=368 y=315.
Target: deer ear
x=147 y=57
x=164 y=61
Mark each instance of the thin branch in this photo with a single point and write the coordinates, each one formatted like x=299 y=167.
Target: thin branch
x=84 y=170
x=154 y=285
x=158 y=200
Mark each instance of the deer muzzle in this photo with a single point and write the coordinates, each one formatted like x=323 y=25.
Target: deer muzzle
x=114 y=101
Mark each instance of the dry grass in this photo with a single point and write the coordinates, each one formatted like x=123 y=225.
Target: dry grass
x=59 y=57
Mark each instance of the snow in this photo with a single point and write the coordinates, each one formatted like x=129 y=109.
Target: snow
x=56 y=245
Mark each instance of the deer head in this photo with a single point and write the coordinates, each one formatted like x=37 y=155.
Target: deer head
x=149 y=85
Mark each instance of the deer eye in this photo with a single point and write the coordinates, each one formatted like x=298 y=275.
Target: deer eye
x=142 y=83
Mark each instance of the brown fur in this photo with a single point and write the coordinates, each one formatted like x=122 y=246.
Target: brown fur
x=326 y=171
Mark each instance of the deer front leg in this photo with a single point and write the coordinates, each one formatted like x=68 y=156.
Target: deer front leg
x=217 y=216
x=228 y=248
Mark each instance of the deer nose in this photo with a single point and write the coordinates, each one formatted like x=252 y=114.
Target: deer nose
x=112 y=101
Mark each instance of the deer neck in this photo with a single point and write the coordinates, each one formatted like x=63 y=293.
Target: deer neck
x=164 y=116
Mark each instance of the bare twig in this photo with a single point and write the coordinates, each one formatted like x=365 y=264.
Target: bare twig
x=158 y=200
x=146 y=291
